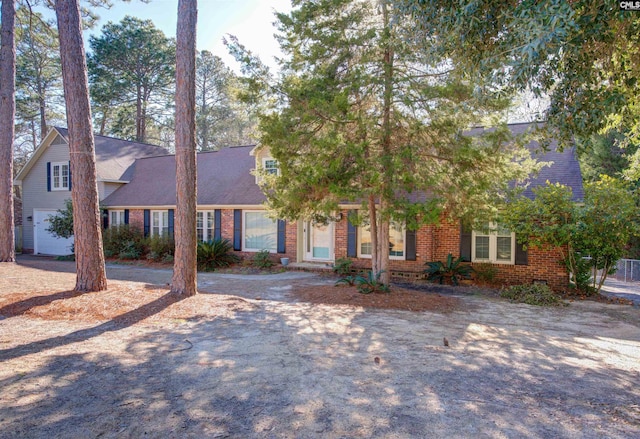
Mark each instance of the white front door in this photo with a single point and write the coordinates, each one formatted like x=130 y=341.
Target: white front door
x=44 y=242
x=318 y=242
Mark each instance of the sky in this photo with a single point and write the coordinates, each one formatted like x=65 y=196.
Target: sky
x=249 y=20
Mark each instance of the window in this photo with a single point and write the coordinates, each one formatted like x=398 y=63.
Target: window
x=116 y=218
x=493 y=243
x=396 y=241
x=204 y=226
x=159 y=223
x=270 y=166
x=60 y=176
x=260 y=232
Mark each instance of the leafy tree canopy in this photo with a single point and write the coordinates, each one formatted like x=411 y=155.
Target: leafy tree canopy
x=583 y=53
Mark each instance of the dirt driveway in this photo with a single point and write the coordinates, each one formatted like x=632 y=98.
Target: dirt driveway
x=255 y=362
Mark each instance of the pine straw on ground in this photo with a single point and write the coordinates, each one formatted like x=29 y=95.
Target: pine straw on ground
x=123 y=303
x=399 y=298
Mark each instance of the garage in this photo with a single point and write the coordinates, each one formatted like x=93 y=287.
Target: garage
x=44 y=242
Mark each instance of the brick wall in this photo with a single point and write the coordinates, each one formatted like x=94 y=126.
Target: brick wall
x=434 y=243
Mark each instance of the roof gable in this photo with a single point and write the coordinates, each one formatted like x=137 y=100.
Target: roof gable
x=224 y=178
x=113 y=156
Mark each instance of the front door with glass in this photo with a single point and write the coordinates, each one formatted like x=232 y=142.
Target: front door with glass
x=318 y=242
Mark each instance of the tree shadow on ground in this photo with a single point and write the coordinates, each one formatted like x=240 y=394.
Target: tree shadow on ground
x=122 y=321
x=305 y=370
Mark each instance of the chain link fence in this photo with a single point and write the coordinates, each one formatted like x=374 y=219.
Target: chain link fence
x=628 y=270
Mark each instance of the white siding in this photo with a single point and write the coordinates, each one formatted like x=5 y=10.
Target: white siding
x=34 y=189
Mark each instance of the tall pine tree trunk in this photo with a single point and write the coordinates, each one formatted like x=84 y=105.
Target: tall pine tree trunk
x=7 y=116
x=185 y=262
x=90 y=269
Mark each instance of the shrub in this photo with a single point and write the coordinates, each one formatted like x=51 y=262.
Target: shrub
x=371 y=284
x=451 y=268
x=262 y=259
x=486 y=272
x=532 y=294
x=124 y=242
x=216 y=253
x=342 y=266
x=348 y=280
x=157 y=247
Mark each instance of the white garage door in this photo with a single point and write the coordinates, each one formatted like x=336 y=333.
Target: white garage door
x=45 y=242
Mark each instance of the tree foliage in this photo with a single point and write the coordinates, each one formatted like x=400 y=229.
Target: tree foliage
x=38 y=77
x=599 y=228
x=361 y=116
x=583 y=53
x=131 y=70
x=61 y=224
x=221 y=119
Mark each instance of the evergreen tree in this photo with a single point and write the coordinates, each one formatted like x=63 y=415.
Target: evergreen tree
x=362 y=116
x=7 y=117
x=185 y=269
x=87 y=227
x=131 y=67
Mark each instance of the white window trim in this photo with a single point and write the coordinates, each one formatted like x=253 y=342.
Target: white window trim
x=244 y=233
x=60 y=176
x=361 y=255
x=161 y=224
x=119 y=214
x=264 y=165
x=493 y=247
x=205 y=230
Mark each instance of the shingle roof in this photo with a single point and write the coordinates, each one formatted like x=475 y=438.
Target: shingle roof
x=115 y=156
x=224 y=179
x=565 y=168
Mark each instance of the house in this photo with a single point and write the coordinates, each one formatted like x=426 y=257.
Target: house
x=45 y=183
x=231 y=206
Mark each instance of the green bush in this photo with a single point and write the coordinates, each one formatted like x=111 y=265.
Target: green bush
x=216 y=253
x=262 y=259
x=485 y=272
x=158 y=247
x=532 y=294
x=347 y=280
x=371 y=284
x=342 y=266
x=451 y=268
x=124 y=242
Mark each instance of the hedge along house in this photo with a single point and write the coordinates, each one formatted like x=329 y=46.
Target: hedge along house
x=46 y=181
x=231 y=206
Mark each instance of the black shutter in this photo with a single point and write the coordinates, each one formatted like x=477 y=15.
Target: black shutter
x=126 y=216
x=105 y=219
x=170 y=225
x=282 y=229
x=465 y=242
x=352 y=237
x=410 y=240
x=147 y=222
x=69 y=176
x=217 y=224
x=237 y=229
x=522 y=257
x=48 y=176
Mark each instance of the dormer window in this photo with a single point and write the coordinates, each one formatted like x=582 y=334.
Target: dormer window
x=270 y=166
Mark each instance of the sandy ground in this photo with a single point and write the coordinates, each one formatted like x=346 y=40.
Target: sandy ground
x=249 y=359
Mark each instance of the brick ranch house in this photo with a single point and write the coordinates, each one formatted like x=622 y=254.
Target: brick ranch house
x=231 y=206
